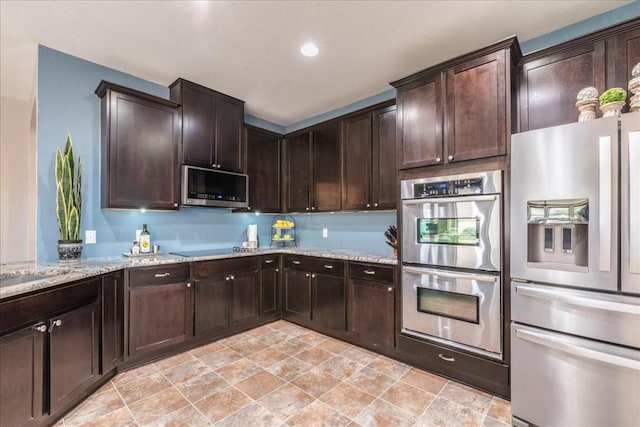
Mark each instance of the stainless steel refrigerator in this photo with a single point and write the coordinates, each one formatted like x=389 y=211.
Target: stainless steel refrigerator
x=575 y=267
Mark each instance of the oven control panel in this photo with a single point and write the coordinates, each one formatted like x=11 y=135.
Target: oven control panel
x=447 y=188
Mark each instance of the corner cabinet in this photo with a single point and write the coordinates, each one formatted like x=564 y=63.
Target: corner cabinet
x=312 y=169
x=369 y=160
x=212 y=124
x=459 y=110
x=139 y=144
x=263 y=168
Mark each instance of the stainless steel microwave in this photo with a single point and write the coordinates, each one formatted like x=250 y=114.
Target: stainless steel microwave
x=214 y=188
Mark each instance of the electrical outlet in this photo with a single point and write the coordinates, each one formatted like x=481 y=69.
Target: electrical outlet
x=325 y=232
x=90 y=237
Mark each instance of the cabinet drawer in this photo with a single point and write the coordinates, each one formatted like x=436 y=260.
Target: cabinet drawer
x=33 y=308
x=158 y=275
x=269 y=261
x=208 y=268
x=315 y=265
x=374 y=272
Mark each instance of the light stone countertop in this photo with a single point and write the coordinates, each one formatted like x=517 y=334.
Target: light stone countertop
x=55 y=274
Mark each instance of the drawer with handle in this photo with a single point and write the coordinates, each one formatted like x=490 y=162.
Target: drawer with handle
x=315 y=265
x=371 y=272
x=269 y=261
x=159 y=275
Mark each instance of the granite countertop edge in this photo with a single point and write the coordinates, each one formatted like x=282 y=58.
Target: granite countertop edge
x=58 y=274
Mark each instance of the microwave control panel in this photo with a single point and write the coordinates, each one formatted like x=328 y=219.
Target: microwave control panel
x=447 y=188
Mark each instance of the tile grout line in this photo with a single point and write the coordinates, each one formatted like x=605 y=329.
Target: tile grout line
x=126 y=405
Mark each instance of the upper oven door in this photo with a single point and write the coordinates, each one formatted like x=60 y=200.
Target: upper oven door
x=461 y=232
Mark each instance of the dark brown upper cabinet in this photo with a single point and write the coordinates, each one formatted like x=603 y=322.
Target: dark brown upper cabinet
x=263 y=168
x=212 y=124
x=551 y=78
x=459 y=110
x=312 y=169
x=368 y=160
x=139 y=145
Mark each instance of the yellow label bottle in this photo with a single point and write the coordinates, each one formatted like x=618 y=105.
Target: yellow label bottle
x=145 y=240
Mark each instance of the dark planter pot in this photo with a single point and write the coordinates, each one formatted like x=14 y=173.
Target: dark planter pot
x=69 y=251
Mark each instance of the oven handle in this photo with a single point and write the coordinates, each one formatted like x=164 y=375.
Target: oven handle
x=449 y=275
x=585 y=353
x=470 y=198
x=559 y=296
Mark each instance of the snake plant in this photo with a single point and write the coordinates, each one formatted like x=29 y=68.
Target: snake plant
x=68 y=192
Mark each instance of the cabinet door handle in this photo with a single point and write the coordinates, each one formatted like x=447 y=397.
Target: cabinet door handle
x=232 y=277
x=328 y=266
x=390 y=289
x=188 y=284
x=227 y=278
x=55 y=323
x=175 y=205
x=296 y=262
x=450 y=157
x=268 y=261
x=313 y=208
x=368 y=205
x=313 y=276
x=375 y=205
x=369 y=272
x=159 y=275
x=306 y=209
x=306 y=275
x=40 y=328
x=277 y=270
x=438 y=159
x=445 y=358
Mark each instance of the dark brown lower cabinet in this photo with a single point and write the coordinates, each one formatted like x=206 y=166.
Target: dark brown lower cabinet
x=314 y=293
x=297 y=294
x=227 y=295
x=49 y=352
x=270 y=285
x=160 y=308
x=328 y=301
x=22 y=359
x=73 y=352
x=211 y=306
x=112 y=321
x=370 y=313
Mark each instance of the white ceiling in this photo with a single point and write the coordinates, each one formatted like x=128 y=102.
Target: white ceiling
x=250 y=49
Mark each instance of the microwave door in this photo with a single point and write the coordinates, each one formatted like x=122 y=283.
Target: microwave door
x=630 y=203
x=564 y=205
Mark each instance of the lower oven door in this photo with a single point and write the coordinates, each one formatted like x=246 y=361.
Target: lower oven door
x=460 y=309
x=458 y=232
x=562 y=380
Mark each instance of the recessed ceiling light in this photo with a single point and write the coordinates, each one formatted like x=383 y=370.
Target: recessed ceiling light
x=309 y=49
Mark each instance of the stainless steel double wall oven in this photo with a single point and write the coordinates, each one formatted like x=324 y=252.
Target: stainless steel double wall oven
x=451 y=260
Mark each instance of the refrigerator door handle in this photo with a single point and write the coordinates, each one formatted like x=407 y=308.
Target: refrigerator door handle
x=605 y=205
x=556 y=295
x=634 y=202
x=557 y=343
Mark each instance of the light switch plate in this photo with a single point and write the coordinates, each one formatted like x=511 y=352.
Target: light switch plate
x=90 y=237
x=325 y=232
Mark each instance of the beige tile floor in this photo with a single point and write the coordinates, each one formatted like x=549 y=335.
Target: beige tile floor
x=283 y=375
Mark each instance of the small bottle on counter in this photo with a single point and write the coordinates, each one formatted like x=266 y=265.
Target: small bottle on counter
x=145 y=240
x=135 y=248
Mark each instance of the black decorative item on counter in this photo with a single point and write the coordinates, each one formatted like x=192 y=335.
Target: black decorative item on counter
x=392 y=238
